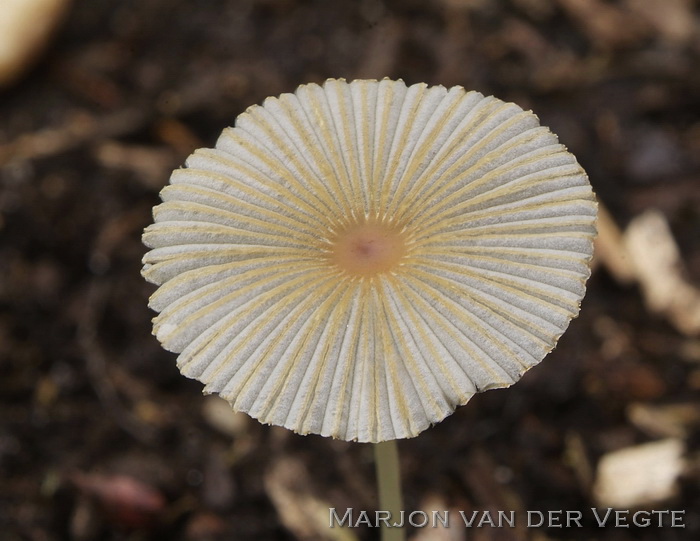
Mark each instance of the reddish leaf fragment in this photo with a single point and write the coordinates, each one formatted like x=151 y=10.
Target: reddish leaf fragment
x=126 y=501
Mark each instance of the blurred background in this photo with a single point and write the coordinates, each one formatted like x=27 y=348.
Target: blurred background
x=102 y=439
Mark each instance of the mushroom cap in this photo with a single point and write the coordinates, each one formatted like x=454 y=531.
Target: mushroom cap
x=357 y=259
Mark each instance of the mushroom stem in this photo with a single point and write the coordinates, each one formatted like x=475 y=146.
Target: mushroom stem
x=386 y=458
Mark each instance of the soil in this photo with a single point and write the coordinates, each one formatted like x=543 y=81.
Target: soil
x=100 y=436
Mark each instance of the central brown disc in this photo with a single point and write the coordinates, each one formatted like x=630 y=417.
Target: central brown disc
x=368 y=249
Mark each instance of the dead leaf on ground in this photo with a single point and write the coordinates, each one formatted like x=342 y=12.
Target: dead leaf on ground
x=639 y=476
x=647 y=253
x=656 y=258
x=128 y=502
x=301 y=511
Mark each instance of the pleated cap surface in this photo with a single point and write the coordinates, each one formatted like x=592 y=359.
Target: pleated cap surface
x=358 y=259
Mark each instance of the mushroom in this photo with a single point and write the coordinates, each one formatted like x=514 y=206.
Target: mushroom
x=358 y=259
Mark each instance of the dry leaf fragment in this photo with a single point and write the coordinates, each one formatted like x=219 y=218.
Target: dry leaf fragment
x=656 y=258
x=607 y=25
x=129 y=502
x=302 y=512
x=670 y=420
x=25 y=27
x=639 y=476
x=674 y=20
x=610 y=248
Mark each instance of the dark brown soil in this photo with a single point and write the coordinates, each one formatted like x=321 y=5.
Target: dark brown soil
x=101 y=438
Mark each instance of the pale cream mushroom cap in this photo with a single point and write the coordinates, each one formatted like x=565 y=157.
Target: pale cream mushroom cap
x=358 y=259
